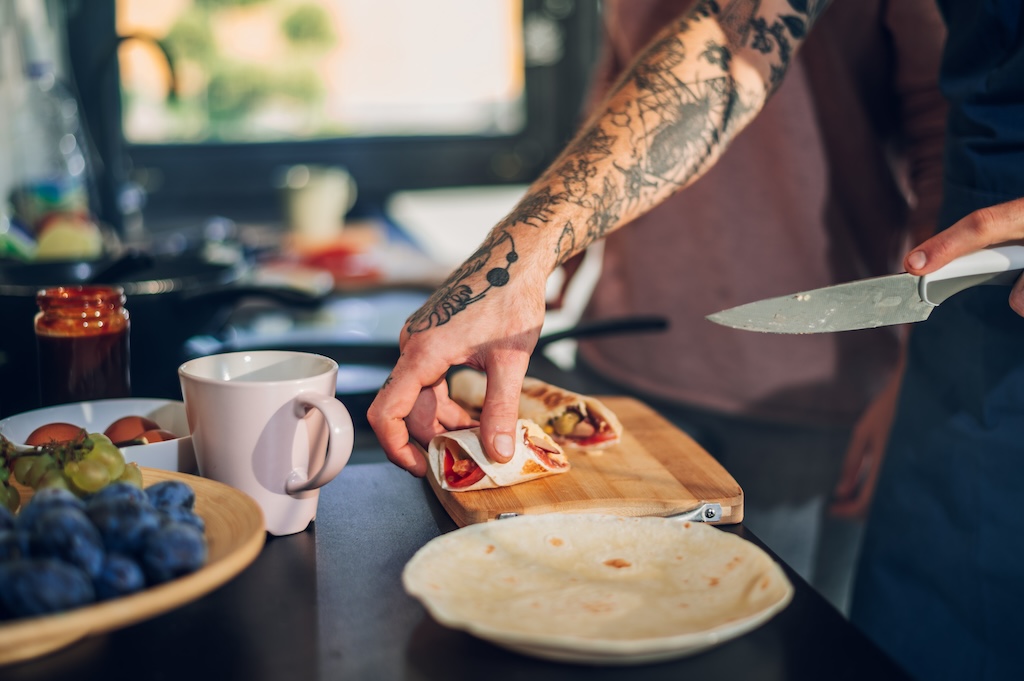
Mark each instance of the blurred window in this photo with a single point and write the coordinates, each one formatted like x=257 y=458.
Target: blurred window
x=275 y=70
x=203 y=104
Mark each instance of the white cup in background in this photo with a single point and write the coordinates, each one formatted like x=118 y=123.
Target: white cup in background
x=267 y=423
x=316 y=200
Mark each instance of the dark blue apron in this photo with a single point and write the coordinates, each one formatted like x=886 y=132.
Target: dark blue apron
x=940 y=584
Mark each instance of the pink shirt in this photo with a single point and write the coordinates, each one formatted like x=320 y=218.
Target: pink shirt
x=821 y=188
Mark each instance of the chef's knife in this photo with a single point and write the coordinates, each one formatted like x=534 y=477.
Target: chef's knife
x=878 y=301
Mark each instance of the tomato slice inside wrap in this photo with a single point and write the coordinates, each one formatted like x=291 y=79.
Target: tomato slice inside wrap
x=464 y=475
x=595 y=439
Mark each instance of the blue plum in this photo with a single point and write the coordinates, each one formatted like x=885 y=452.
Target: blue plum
x=44 y=500
x=117 y=490
x=171 y=494
x=172 y=550
x=183 y=515
x=119 y=576
x=40 y=586
x=67 y=534
x=123 y=523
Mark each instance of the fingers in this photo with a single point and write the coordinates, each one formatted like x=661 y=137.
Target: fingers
x=860 y=457
x=501 y=404
x=422 y=419
x=855 y=466
x=1017 y=297
x=986 y=227
x=435 y=413
x=848 y=509
x=497 y=337
x=856 y=506
x=410 y=457
x=850 y=498
x=864 y=454
x=396 y=400
x=451 y=416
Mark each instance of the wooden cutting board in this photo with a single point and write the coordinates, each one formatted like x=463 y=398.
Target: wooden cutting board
x=656 y=469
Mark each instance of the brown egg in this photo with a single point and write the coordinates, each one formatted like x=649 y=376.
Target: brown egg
x=55 y=432
x=128 y=428
x=158 y=435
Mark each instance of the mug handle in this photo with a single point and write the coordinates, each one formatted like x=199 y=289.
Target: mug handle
x=339 y=444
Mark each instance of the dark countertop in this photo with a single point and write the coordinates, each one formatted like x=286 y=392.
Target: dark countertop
x=328 y=603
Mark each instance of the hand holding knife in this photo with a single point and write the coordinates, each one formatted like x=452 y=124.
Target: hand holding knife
x=877 y=301
x=983 y=247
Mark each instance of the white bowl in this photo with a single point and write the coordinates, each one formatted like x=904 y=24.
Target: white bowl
x=95 y=416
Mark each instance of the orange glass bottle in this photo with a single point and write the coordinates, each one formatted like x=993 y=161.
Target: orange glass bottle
x=82 y=342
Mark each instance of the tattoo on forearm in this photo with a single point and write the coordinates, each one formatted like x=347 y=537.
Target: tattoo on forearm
x=593 y=143
x=455 y=294
x=534 y=210
x=607 y=207
x=672 y=114
x=566 y=246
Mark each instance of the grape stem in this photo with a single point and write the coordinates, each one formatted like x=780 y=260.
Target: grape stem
x=8 y=448
x=63 y=452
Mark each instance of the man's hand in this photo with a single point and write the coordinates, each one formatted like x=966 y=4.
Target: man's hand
x=982 y=228
x=495 y=333
x=863 y=461
x=669 y=118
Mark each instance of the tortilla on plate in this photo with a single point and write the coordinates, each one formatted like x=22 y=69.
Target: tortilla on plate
x=597 y=589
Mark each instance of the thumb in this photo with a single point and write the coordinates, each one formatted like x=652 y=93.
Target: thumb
x=942 y=249
x=501 y=407
x=985 y=227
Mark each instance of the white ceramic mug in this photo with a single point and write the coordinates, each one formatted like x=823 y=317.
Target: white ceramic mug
x=267 y=422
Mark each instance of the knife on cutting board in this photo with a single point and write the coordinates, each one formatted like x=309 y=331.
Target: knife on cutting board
x=877 y=301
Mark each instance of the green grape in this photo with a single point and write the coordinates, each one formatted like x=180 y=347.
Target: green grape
x=45 y=464
x=9 y=497
x=107 y=454
x=21 y=467
x=132 y=475
x=53 y=477
x=37 y=469
x=87 y=475
x=83 y=467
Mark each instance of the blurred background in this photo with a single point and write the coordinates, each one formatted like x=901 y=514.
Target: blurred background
x=270 y=172
x=203 y=104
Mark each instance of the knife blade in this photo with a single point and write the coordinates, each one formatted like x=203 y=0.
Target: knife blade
x=876 y=301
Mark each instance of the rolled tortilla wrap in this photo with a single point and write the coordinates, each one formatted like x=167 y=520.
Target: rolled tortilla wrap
x=459 y=464
x=572 y=419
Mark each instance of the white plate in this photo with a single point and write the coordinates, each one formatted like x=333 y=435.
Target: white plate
x=95 y=416
x=597 y=589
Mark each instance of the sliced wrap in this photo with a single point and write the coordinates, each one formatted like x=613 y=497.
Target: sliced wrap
x=573 y=420
x=458 y=461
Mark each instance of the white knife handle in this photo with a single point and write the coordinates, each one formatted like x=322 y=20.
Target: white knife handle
x=1000 y=265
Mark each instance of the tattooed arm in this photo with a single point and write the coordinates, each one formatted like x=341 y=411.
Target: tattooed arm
x=666 y=121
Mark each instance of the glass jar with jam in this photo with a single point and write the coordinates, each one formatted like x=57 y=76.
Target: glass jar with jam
x=82 y=342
